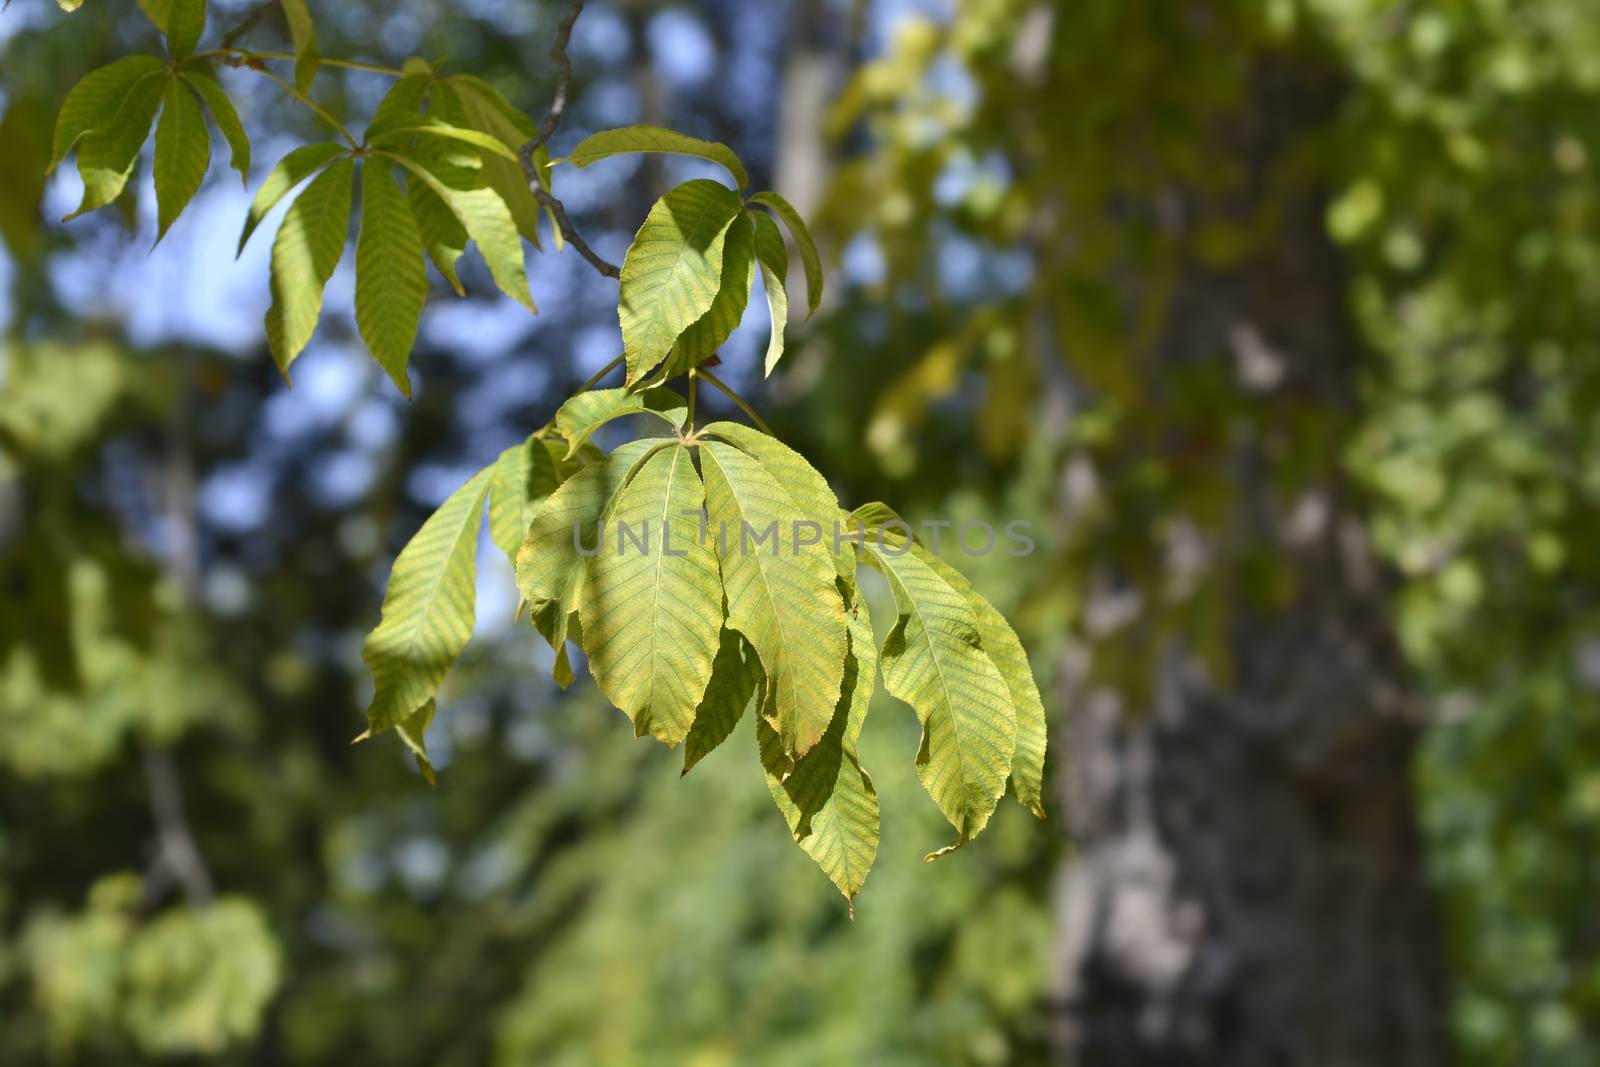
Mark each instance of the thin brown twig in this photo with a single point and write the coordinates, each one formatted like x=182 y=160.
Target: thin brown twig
x=547 y=129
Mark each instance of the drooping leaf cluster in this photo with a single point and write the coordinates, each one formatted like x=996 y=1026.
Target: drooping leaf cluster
x=720 y=570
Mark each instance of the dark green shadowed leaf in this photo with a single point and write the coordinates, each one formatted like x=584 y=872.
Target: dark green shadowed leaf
x=93 y=103
x=106 y=156
x=428 y=609
x=304 y=35
x=524 y=476
x=633 y=139
x=391 y=276
x=802 y=239
x=933 y=659
x=158 y=12
x=774 y=260
x=826 y=796
x=186 y=21
x=780 y=591
x=304 y=254
x=183 y=152
x=204 y=82
x=702 y=339
x=483 y=215
x=289 y=172
x=443 y=236
x=651 y=603
x=585 y=413
x=735 y=674
x=673 y=270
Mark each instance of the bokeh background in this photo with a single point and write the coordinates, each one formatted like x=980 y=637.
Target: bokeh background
x=1276 y=318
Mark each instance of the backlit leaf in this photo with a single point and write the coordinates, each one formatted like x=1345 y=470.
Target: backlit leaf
x=289 y=172
x=223 y=114
x=587 y=412
x=467 y=100
x=92 y=104
x=802 y=239
x=735 y=675
x=183 y=152
x=673 y=270
x=428 y=609
x=391 y=276
x=651 y=603
x=304 y=254
x=443 y=236
x=304 y=35
x=186 y=21
x=774 y=260
x=703 y=337
x=107 y=155
x=413 y=732
x=524 y=476
x=933 y=659
x=424 y=125
x=781 y=593
x=632 y=139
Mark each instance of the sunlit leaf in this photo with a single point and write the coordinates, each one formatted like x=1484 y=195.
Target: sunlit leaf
x=304 y=35
x=802 y=239
x=735 y=675
x=391 y=275
x=106 y=156
x=289 y=172
x=707 y=333
x=304 y=254
x=428 y=609
x=401 y=128
x=633 y=139
x=224 y=115
x=774 y=260
x=183 y=152
x=467 y=100
x=780 y=591
x=93 y=103
x=413 y=734
x=524 y=476
x=587 y=412
x=673 y=270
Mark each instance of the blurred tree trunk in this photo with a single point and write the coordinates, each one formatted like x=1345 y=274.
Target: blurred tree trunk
x=1246 y=886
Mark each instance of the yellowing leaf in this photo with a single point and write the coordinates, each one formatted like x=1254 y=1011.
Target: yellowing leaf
x=92 y=104
x=585 y=413
x=428 y=609
x=802 y=239
x=673 y=270
x=780 y=592
x=707 y=333
x=933 y=659
x=391 y=277
x=735 y=674
x=524 y=476
x=827 y=797
x=183 y=152
x=289 y=172
x=651 y=603
x=774 y=260
x=632 y=139
x=304 y=254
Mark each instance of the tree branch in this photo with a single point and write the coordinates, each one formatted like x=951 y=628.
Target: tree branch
x=547 y=128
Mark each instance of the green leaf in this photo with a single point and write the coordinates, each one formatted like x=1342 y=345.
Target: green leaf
x=289 y=172
x=391 y=276
x=466 y=100
x=933 y=659
x=413 y=733
x=1005 y=651
x=652 y=608
x=702 y=339
x=443 y=236
x=483 y=215
x=304 y=35
x=774 y=260
x=423 y=125
x=805 y=485
x=106 y=156
x=428 y=609
x=673 y=270
x=524 y=476
x=735 y=673
x=781 y=596
x=186 y=21
x=632 y=139
x=69 y=6
x=585 y=413
x=304 y=254
x=550 y=568
x=183 y=152
x=401 y=105
x=223 y=114
x=802 y=239
x=158 y=12
x=92 y=104
x=827 y=797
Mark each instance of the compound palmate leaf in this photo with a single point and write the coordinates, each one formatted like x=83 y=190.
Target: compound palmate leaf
x=780 y=589
x=391 y=276
x=827 y=798
x=107 y=154
x=524 y=476
x=706 y=334
x=428 y=610
x=304 y=254
x=673 y=270
x=183 y=152
x=651 y=604
x=933 y=659
x=92 y=104
x=735 y=676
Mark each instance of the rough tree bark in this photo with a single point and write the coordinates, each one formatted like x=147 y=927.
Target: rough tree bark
x=1246 y=886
